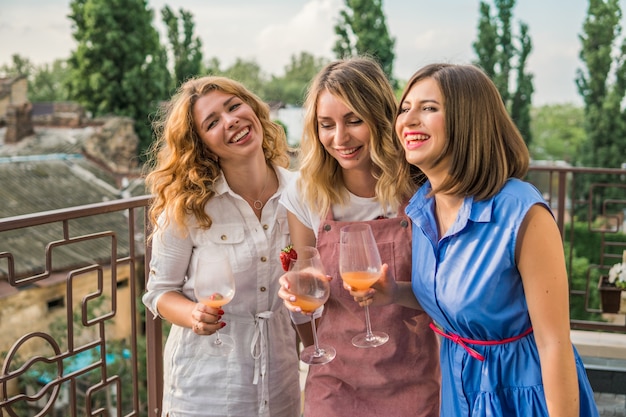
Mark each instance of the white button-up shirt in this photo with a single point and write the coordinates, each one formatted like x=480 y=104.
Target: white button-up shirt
x=260 y=377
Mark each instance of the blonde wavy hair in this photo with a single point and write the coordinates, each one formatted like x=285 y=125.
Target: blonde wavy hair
x=361 y=84
x=182 y=169
x=485 y=146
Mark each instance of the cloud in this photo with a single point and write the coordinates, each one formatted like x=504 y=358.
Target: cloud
x=270 y=32
x=45 y=35
x=308 y=30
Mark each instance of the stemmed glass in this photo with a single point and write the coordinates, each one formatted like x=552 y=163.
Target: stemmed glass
x=308 y=282
x=215 y=287
x=359 y=266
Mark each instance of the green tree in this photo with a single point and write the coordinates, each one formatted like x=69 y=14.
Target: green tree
x=185 y=48
x=291 y=88
x=503 y=57
x=558 y=132
x=602 y=84
x=19 y=66
x=247 y=72
x=212 y=66
x=49 y=82
x=119 y=66
x=362 y=30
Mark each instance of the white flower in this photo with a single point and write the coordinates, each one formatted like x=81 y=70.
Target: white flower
x=617 y=275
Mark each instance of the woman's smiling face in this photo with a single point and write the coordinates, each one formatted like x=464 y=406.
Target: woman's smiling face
x=227 y=125
x=344 y=135
x=420 y=124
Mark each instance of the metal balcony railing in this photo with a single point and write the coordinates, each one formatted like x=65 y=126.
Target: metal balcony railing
x=76 y=340
x=73 y=328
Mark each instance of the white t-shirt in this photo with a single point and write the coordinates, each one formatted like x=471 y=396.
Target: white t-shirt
x=357 y=208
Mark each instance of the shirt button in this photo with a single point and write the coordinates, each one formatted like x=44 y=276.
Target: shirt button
x=263 y=259
x=223 y=237
x=404 y=224
x=327 y=227
x=263 y=289
x=265 y=227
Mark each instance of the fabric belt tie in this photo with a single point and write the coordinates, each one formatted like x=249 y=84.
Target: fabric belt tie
x=463 y=341
x=259 y=351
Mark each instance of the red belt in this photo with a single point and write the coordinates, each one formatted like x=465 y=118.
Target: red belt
x=463 y=340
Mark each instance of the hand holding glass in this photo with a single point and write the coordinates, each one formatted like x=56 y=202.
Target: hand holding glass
x=359 y=266
x=215 y=287
x=308 y=282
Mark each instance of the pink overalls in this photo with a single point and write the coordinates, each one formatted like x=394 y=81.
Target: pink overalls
x=400 y=378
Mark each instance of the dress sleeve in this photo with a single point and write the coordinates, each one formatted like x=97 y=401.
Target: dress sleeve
x=169 y=265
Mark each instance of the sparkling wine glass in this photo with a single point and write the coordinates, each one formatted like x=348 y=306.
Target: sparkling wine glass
x=215 y=287
x=359 y=266
x=308 y=282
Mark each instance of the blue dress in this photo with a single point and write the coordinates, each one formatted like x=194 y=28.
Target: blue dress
x=469 y=284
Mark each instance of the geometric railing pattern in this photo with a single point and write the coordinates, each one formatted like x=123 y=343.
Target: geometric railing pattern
x=75 y=338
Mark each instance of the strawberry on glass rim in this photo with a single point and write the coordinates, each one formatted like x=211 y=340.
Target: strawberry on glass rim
x=287 y=254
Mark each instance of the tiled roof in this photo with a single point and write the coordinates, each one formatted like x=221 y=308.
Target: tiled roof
x=46 y=172
x=46 y=141
x=34 y=185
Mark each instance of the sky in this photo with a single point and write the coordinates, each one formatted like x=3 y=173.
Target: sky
x=272 y=31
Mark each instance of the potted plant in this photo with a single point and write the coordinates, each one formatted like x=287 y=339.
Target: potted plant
x=611 y=287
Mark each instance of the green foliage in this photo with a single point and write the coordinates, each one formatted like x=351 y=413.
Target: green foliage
x=291 y=88
x=247 y=72
x=488 y=42
x=558 y=132
x=602 y=84
x=19 y=66
x=185 y=48
x=49 y=82
x=362 y=30
x=602 y=90
x=578 y=283
x=45 y=82
x=520 y=102
x=118 y=67
x=586 y=267
x=503 y=56
x=587 y=243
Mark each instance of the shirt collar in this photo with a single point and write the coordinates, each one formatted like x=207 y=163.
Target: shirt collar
x=222 y=187
x=421 y=207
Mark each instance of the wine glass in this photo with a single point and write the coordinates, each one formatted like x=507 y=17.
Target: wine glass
x=215 y=287
x=308 y=282
x=359 y=266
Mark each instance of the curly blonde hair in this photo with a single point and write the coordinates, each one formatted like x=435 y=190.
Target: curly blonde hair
x=361 y=84
x=182 y=169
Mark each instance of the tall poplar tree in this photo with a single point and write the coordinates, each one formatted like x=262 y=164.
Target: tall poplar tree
x=118 y=67
x=186 y=48
x=602 y=85
x=503 y=57
x=362 y=29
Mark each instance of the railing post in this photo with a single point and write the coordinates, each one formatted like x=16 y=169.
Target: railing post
x=154 y=345
x=562 y=203
x=154 y=358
